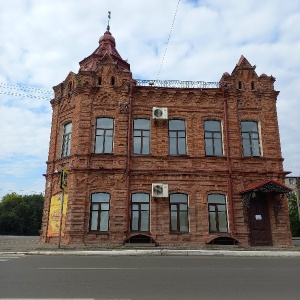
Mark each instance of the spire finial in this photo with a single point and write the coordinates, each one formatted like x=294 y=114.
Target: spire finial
x=108 y=21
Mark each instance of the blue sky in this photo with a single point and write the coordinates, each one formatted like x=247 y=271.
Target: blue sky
x=41 y=41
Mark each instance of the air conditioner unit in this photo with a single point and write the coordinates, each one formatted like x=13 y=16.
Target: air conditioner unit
x=160 y=113
x=160 y=190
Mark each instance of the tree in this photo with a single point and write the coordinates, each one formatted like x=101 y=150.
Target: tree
x=21 y=215
x=294 y=215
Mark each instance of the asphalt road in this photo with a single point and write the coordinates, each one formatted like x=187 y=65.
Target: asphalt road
x=149 y=277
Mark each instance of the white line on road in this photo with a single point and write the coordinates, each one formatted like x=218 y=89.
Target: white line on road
x=112 y=269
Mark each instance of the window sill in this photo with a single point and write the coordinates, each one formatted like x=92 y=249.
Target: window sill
x=99 y=232
x=103 y=153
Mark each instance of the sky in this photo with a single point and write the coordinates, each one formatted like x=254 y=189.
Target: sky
x=41 y=41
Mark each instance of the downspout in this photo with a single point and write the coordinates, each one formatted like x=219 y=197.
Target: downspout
x=230 y=198
x=129 y=134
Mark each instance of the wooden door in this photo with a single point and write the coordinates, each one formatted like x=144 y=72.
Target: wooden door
x=259 y=222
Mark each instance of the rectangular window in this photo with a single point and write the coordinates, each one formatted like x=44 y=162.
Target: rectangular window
x=140 y=212
x=99 y=219
x=291 y=181
x=179 y=221
x=217 y=213
x=66 y=140
x=250 y=138
x=213 y=138
x=141 y=136
x=104 y=135
x=177 y=137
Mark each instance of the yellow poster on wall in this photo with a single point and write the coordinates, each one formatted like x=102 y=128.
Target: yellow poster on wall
x=54 y=215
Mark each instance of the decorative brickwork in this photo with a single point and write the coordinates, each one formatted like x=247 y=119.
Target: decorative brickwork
x=104 y=88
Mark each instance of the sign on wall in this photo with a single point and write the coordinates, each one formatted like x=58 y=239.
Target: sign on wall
x=54 y=215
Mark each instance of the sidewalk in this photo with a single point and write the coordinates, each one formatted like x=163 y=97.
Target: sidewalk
x=30 y=245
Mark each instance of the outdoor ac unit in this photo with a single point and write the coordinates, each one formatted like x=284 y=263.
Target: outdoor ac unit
x=160 y=113
x=160 y=190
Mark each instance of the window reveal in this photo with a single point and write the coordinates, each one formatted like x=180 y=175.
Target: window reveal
x=179 y=213
x=104 y=135
x=177 y=137
x=99 y=219
x=250 y=138
x=66 y=140
x=141 y=136
x=213 y=138
x=140 y=212
x=217 y=213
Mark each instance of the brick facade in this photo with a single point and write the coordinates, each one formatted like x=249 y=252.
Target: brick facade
x=104 y=87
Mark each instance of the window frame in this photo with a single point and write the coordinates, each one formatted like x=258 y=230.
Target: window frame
x=139 y=210
x=105 y=144
x=178 y=212
x=217 y=213
x=250 y=139
x=100 y=210
x=66 y=140
x=142 y=137
x=177 y=138
x=213 y=138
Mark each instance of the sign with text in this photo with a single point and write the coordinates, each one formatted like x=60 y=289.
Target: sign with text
x=54 y=215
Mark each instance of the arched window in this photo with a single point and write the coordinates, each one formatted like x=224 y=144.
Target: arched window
x=112 y=81
x=70 y=86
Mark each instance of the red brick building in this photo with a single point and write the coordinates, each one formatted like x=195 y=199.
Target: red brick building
x=167 y=162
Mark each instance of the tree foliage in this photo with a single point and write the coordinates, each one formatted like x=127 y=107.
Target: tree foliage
x=294 y=215
x=21 y=214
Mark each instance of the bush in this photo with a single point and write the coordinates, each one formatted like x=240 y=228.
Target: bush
x=294 y=215
x=21 y=215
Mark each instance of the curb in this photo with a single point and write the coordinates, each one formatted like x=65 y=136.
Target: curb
x=163 y=252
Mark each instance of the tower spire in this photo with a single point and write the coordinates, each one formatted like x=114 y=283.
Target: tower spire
x=108 y=27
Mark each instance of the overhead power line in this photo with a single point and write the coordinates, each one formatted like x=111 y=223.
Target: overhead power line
x=25 y=91
x=162 y=62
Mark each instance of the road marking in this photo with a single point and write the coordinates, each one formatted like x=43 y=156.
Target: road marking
x=7 y=257
x=112 y=269
x=90 y=269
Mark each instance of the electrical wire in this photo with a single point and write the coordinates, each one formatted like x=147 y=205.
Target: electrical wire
x=16 y=90
x=162 y=62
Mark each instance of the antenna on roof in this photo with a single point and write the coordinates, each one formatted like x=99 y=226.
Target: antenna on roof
x=108 y=21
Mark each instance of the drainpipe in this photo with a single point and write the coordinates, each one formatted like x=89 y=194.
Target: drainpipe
x=129 y=133
x=230 y=198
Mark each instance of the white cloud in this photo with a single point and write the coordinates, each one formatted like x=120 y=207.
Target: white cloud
x=42 y=41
